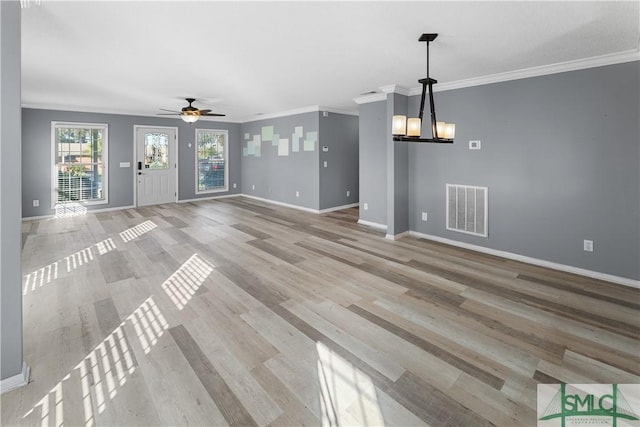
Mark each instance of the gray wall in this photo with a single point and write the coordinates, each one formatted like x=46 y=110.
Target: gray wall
x=397 y=171
x=561 y=158
x=338 y=132
x=36 y=158
x=10 y=246
x=372 y=133
x=276 y=177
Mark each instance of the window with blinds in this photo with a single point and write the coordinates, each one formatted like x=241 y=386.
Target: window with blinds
x=79 y=163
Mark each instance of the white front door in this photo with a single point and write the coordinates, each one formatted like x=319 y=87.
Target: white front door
x=156 y=165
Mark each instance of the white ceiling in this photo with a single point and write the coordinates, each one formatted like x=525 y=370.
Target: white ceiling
x=245 y=58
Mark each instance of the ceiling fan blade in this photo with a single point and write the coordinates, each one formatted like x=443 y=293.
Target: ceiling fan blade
x=189 y=111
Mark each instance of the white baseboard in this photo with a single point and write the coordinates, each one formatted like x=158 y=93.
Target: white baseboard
x=338 y=208
x=397 y=236
x=317 y=211
x=116 y=208
x=373 y=224
x=222 y=196
x=302 y=208
x=275 y=202
x=534 y=261
x=37 y=218
x=16 y=381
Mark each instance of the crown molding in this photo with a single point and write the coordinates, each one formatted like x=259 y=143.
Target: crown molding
x=598 y=61
x=561 y=67
x=373 y=97
x=339 y=111
x=303 y=110
x=92 y=110
x=310 y=109
x=400 y=90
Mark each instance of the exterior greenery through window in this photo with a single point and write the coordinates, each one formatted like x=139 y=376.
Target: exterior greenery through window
x=156 y=150
x=211 y=160
x=80 y=163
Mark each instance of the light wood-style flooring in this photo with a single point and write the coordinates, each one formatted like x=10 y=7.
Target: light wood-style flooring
x=237 y=312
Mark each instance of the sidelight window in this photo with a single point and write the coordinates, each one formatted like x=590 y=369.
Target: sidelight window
x=212 y=173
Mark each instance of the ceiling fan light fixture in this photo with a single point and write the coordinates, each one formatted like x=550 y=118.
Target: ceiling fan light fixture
x=188 y=117
x=190 y=114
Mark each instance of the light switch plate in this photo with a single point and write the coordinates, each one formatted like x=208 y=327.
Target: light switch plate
x=474 y=145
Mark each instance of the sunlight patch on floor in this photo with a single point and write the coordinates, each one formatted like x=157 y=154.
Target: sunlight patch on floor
x=182 y=285
x=69 y=210
x=137 y=231
x=347 y=395
x=103 y=371
x=149 y=324
x=47 y=274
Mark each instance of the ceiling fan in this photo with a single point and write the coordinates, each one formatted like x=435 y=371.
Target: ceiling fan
x=190 y=114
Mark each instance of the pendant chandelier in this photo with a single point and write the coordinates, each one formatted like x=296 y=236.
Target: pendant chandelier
x=409 y=130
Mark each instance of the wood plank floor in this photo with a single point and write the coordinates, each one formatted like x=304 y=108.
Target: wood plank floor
x=237 y=312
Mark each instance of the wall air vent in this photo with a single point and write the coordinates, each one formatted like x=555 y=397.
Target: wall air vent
x=467 y=209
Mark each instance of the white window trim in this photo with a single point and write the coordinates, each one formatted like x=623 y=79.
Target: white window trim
x=226 y=163
x=105 y=160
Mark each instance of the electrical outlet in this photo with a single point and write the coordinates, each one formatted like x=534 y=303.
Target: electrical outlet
x=348 y=193
x=36 y=203
x=235 y=185
x=424 y=216
x=297 y=194
x=253 y=186
x=588 y=245
x=366 y=206
x=325 y=163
